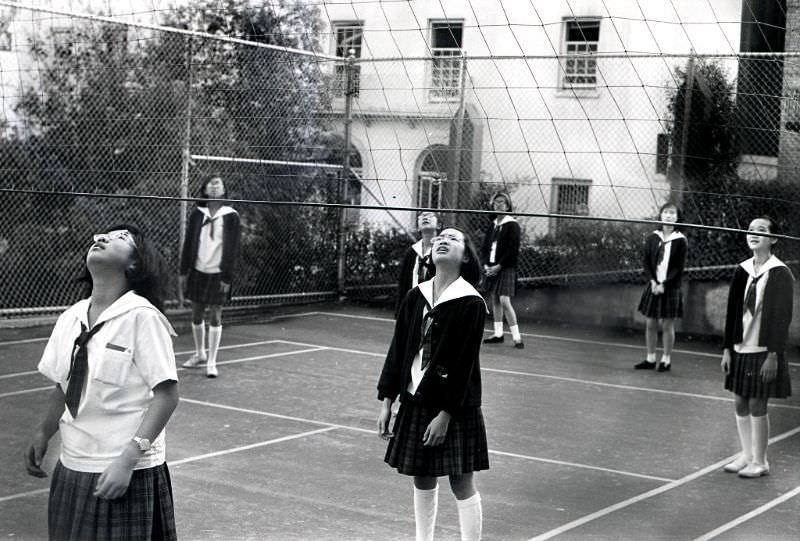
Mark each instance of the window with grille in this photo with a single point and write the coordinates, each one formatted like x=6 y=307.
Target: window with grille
x=581 y=37
x=569 y=196
x=431 y=177
x=446 y=64
x=347 y=36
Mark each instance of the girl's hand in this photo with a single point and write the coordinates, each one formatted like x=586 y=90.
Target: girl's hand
x=769 y=370
x=383 y=422
x=114 y=482
x=493 y=270
x=34 y=455
x=725 y=364
x=224 y=287
x=437 y=430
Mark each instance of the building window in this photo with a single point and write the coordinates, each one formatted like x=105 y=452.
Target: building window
x=431 y=178
x=569 y=196
x=581 y=37
x=347 y=36
x=662 y=153
x=446 y=44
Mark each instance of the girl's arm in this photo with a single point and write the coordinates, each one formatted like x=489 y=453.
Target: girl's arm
x=511 y=247
x=230 y=248
x=188 y=241
x=647 y=259
x=49 y=426
x=114 y=482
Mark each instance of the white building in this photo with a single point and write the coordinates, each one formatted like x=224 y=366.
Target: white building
x=578 y=135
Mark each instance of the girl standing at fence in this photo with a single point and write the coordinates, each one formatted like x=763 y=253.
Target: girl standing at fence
x=433 y=365
x=207 y=262
x=417 y=265
x=500 y=252
x=111 y=358
x=663 y=261
x=753 y=359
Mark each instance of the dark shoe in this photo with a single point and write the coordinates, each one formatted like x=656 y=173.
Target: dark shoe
x=645 y=365
x=663 y=367
x=519 y=345
x=493 y=339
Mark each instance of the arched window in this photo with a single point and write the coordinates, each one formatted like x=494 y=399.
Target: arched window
x=432 y=174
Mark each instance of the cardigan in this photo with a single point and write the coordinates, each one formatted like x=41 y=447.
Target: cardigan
x=776 y=311
x=407 y=271
x=507 y=235
x=677 y=257
x=452 y=380
x=230 y=243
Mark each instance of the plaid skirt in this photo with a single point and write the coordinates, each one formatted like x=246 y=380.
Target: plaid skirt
x=744 y=377
x=145 y=511
x=464 y=449
x=502 y=284
x=205 y=288
x=668 y=305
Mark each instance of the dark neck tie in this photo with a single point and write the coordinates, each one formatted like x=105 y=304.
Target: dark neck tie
x=427 y=331
x=79 y=368
x=750 y=296
x=660 y=255
x=422 y=269
x=210 y=222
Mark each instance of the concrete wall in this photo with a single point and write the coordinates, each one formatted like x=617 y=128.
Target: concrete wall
x=615 y=306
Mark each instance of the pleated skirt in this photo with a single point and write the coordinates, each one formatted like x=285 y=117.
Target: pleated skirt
x=145 y=511
x=667 y=305
x=744 y=377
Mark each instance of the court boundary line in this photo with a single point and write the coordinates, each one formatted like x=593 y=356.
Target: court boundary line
x=650 y=493
x=750 y=515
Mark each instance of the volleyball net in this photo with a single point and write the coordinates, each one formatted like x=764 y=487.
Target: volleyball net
x=118 y=117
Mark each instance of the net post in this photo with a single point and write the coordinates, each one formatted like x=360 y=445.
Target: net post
x=348 y=121
x=185 y=155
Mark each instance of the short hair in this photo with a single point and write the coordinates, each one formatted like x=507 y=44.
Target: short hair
x=670 y=204
x=504 y=195
x=774 y=226
x=148 y=278
x=202 y=194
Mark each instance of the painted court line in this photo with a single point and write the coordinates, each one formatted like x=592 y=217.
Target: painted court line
x=650 y=493
x=26 y=391
x=24 y=341
x=24 y=494
x=752 y=514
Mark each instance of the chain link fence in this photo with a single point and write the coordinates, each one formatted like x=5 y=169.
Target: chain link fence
x=94 y=108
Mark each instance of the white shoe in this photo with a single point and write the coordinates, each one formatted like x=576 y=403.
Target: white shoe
x=753 y=470
x=194 y=361
x=737 y=465
x=211 y=370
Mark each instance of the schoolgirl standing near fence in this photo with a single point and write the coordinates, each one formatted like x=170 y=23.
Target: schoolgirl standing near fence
x=500 y=252
x=112 y=361
x=417 y=265
x=433 y=365
x=753 y=359
x=664 y=259
x=208 y=260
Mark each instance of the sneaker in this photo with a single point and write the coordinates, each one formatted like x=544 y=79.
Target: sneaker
x=754 y=471
x=663 y=367
x=519 y=345
x=737 y=465
x=493 y=339
x=194 y=361
x=645 y=365
x=211 y=370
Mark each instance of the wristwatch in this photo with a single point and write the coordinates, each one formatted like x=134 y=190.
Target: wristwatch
x=142 y=443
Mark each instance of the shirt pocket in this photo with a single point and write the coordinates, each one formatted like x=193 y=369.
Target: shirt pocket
x=114 y=367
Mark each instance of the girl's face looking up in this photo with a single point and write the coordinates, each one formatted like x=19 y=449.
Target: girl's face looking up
x=448 y=246
x=757 y=242
x=114 y=249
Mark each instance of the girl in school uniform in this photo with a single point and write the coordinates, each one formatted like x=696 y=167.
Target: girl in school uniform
x=753 y=359
x=663 y=261
x=417 y=265
x=207 y=263
x=433 y=366
x=111 y=359
x=500 y=252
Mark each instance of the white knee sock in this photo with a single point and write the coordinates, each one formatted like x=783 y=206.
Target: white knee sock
x=470 y=517
x=665 y=359
x=760 y=426
x=498 y=329
x=651 y=357
x=515 y=333
x=426 y=504
x=214 y=337
x=199 y=334
x=743 y=425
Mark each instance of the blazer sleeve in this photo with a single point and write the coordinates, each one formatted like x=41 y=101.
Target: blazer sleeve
x=391 y=378
x=508 y=256
x=466 y=355
x=733 y=313
x=780 y=311
x=230 y=247
x=647 y=258
x=677 y=260
x=486 y=247
x=404 y=281
x=188 y=253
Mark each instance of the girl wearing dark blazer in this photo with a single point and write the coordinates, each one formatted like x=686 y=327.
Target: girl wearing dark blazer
x=499 y=252
x=433 y=366
x=753 y=359
x=662 y=299
x=417 y=265
x=207 y=264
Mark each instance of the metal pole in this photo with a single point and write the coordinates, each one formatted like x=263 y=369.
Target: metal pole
x=186 y=154
x=348 y=121
x=453 y=190
x=686 y=121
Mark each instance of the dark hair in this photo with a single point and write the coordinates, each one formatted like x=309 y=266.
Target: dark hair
x=774 y=226
x=202 y=194
x=670 y=204
x=149 y=276
x=504 y=195
x=471 y=269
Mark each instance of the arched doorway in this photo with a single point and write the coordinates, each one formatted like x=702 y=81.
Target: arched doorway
x=431 y=177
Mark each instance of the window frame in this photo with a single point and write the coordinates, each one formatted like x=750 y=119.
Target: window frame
x=555 y=195
x=571 y=60
x=444 y=60
x=339 y=69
